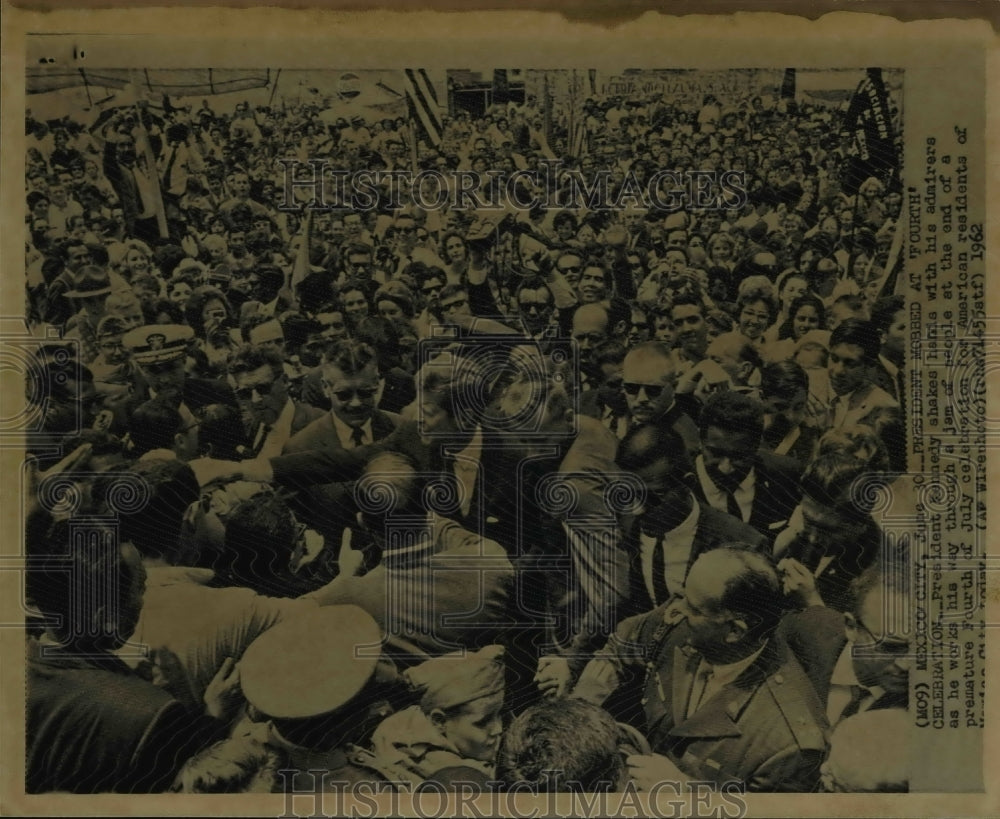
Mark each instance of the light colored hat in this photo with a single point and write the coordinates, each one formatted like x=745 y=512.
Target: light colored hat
x=311 y=665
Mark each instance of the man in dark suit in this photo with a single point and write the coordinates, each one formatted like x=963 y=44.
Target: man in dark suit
x=262 y=391
x=860 y=660
x=723 y=698
x=649 y=376
x=731 y=475
x=92 y=724
x=606 y=401
x=352 y=383
x=674 y=527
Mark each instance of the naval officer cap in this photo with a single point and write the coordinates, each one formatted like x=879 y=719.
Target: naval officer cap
x=156 y=343
x=311 y=665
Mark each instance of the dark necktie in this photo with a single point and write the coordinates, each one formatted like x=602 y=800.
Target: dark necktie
x=858 y=696
x=732 y=507
x=357 y=436
x=660 y=592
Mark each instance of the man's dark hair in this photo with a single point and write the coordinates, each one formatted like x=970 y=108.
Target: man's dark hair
x=732 y=412
x=782 y=379
x=687 y=297
x=653 y=445
x=270 y=279
x=260 y=538
x=382 y=336
x=831 y=481
x=860 y=333
x=169 y=488
x=220 y=431
x=250 y=357
x=153 y=425
x=533 y=282
x=563 y=745
x=350 y=356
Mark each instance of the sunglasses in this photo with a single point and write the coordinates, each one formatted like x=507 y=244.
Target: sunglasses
x=534 y=307
x=246 y=393
x=363 y=393
x=430 y=291
x=405 y=230
x=653 y=391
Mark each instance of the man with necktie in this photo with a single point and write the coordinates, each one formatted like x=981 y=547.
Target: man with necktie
x=733 y=476
x=858 y=660
x=673 y=527
x=723 y=699
x=352 y=383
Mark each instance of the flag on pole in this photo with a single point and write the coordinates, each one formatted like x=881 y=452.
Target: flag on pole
x=501 y=86
x=422 y=101
x=579 y=143
x=788 y=85
x=869 y=123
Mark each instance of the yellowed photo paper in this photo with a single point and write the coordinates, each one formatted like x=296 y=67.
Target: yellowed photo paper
x=428 y=414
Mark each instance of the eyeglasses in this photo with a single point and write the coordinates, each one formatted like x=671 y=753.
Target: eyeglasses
x=430 y=291
x=247 y=393
x=406 y=230
x=534 y=306
x=653 y=391
x=363 y=393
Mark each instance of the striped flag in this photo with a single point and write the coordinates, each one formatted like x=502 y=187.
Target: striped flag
x=579 y=144
x=422 y=101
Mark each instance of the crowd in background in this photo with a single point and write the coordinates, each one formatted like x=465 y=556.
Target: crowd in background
x=594 y=486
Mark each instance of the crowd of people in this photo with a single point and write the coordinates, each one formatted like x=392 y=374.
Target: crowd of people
x=579 y=498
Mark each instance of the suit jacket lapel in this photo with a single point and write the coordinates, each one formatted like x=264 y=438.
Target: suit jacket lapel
x=682 y=678
x=719 y=716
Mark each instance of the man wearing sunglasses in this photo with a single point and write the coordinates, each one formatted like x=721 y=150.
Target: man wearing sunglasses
x=261 y=387
x=649 y=378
